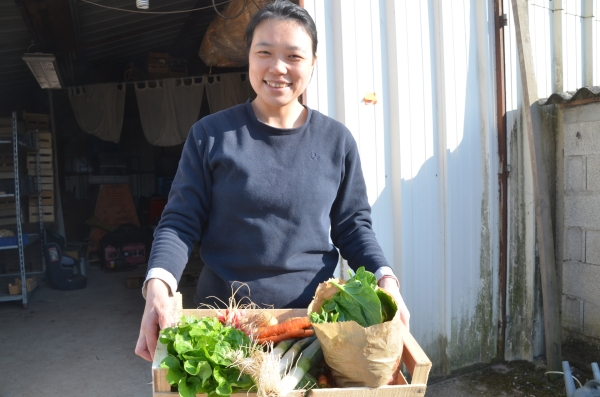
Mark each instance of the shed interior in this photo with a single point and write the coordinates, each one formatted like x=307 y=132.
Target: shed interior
x=100 y=187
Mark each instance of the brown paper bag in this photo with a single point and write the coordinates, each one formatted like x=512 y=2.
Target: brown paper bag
x=358 y=356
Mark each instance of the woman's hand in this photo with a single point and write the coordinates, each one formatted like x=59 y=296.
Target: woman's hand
x=390 y=286
x=157 y=315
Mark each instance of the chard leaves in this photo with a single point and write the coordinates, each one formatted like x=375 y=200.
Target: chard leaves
x=359 y=299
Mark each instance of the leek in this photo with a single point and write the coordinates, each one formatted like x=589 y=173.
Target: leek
x=309 y=358
x=288 y=359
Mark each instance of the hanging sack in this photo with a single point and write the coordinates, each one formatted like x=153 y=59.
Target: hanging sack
x=224 y=44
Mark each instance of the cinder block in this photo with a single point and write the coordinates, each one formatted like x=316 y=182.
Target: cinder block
x=571 y=115
x=571 y=313
x=591 y=319
x=574 y=244
x=575 y=173
x=581 y=139
x=581 y=281
x=589 y=112
x=592 y=172
x=592 y=248
x=582 y=211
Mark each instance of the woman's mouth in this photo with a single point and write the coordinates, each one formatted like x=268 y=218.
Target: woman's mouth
x=277 y=85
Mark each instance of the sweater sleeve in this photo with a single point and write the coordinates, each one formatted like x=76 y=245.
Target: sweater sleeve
x=186 y=212
x=351 y=226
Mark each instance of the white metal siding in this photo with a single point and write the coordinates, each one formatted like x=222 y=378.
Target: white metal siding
x=429 y=154
x=430 y=157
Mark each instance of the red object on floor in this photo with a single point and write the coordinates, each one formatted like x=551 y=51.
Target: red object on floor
x=134 y=254
x=157 y=205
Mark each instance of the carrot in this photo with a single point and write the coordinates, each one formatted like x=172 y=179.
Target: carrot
x=287 y=325
x=293 y=333
x=322 y=381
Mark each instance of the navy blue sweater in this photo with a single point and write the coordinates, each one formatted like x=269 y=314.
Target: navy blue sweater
x=264 y=202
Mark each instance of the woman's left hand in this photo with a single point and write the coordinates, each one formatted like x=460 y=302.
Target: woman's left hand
x=390 y=286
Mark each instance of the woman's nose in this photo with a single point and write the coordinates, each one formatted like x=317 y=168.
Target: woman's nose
x=278 y=66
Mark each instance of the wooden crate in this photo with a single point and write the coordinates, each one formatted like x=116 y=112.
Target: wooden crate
x=45 y=138
x=6 y=127
x=16 y=288
x=47 y=199
x=8 y=214
x=35 y=121
x=47 y=211
x=413 y=357
x=45 y=161
x=7 y=166
x=158 y=65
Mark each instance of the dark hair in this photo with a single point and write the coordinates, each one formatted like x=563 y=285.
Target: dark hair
x=283 y=10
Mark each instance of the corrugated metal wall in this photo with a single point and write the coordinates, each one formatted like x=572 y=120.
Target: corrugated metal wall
x=566 y=47
x=429 y=154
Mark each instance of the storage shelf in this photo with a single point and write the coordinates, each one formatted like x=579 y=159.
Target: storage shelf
x=22 y=188
x=32 y=239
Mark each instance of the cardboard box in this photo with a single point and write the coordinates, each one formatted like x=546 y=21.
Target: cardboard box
x=14 y=289
x=413 y=357
x=158 y=65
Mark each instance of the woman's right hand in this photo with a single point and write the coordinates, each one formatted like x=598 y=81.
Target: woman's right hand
x=157 y=315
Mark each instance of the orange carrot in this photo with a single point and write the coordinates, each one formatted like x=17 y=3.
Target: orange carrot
x=290 y=324
x=322 y=381
x=293 y=333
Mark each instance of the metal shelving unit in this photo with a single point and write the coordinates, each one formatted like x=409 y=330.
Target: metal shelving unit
x=19 y=145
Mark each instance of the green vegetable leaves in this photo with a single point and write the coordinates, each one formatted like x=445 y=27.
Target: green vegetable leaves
x=201 y=353
x=359 y=299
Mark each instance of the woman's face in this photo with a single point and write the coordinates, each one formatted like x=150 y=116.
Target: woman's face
x=280 y=63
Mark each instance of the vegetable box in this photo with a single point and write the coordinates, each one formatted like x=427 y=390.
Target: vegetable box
x=415 y=360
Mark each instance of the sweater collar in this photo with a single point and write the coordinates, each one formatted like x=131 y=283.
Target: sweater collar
x=275 y=130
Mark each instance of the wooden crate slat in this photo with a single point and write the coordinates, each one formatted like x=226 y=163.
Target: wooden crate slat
x=7 y=212
x=45 y=139
x=47 y=212
x=35 y=121
x=43 y=171
x=47 y=198
x=36 y=218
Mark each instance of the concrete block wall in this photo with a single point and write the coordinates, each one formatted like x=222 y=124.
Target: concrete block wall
x=581 y=266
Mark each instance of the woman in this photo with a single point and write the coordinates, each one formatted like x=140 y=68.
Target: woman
x=264 y=185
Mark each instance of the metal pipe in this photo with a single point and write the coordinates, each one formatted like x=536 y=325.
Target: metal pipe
x=503 y=172
x=569 y=384
x=596 y=371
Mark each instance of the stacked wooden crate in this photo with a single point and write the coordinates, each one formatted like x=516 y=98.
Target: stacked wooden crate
x=41 y=124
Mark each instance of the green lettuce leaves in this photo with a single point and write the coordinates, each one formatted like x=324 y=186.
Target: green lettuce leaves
x=359 y=299
x=200 y=357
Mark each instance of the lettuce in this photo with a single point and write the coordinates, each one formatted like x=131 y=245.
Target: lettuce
x=200 y=357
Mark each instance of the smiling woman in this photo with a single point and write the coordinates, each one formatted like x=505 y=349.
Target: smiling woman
x=265 y=186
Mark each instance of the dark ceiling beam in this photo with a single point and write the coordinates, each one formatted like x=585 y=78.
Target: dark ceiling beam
x=181 y=45
x=50 y=23
x=27 y=21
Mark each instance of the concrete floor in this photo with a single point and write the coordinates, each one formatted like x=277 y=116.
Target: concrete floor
x=81 y=343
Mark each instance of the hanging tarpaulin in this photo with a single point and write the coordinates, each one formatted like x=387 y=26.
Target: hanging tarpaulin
x=223 y=44
x=99 y=109
x=169 y=109
x=226 y=90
